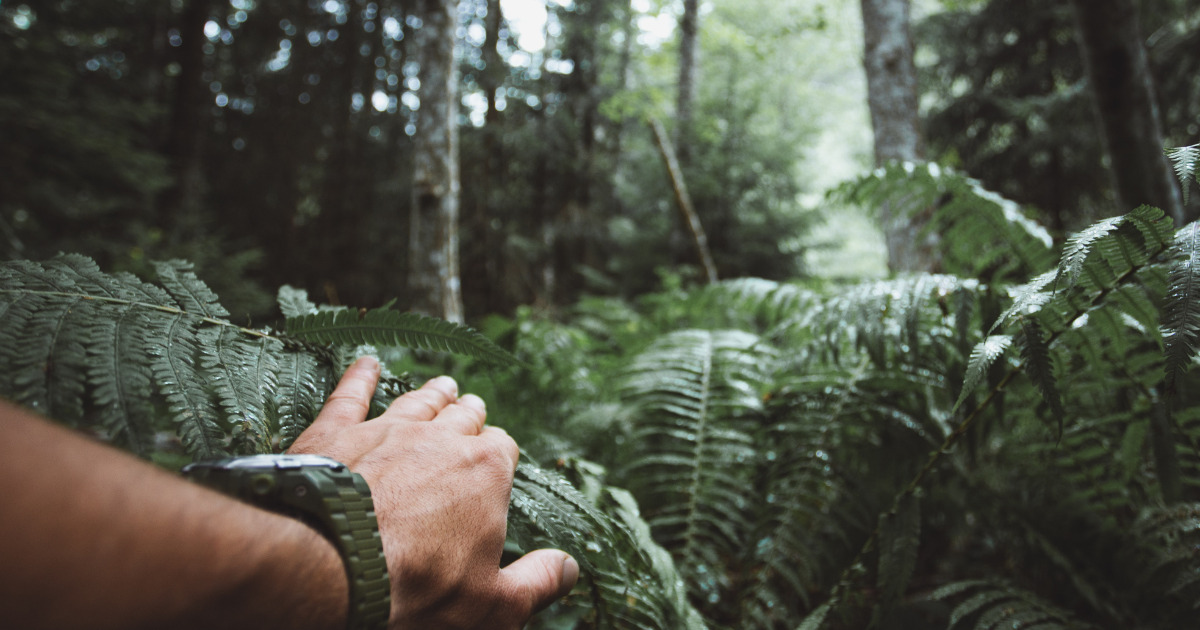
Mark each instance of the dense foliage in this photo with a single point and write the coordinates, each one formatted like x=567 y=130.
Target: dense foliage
x=1009 y=440
x=1008 y=100
x=272 y=141
x=927 y=449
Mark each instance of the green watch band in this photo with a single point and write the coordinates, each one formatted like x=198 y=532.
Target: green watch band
x=329 y=497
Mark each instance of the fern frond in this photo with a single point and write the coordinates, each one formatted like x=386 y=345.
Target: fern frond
x=1181 y=309
x=982 y=357
x=185 y=386
x=696 y=400
x=302 y=389
x=1079 y=246
x=899 y=541
x=1036 y=360
x=240 y=398
x=1166 y=554
x=632 y=581
x=122 y=377
x=294 y=302
x=1027 y=299
x=989 y=604
x=187 y=290
x=816 y=619
x=983 y=235
x=385 y=327
x=1185 y=159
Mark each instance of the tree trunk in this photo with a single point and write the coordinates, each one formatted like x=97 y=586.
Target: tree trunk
x=1116 y=64
x=433 y=244
x=684 y=202
x=489 y=260
x=892 y=99
x=689 y=28
x=182 y=201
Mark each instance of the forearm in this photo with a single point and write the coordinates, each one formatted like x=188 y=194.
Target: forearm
x=95 y=538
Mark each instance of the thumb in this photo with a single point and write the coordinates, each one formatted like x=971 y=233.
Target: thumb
x=540 y=577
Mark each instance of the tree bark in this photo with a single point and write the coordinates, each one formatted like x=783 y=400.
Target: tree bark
x=434 y=283
x=689 y=28
x=684 y=202
x=1115 y=58
x=892 y=99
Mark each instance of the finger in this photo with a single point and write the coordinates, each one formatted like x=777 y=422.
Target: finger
x=466 y=416
x=502 y=441
x=538 y=578
x=424 y=404
x=351 y=399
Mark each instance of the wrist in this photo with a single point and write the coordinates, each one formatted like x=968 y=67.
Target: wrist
x=310 y=576
x=287 y=575
x=323 y=494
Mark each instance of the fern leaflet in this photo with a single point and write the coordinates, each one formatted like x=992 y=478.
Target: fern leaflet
x=982 y=357
x=1181 y=311
x=385 y=327
x=1185 y=159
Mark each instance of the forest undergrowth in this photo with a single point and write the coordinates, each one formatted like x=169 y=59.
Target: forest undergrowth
x=1011 y=442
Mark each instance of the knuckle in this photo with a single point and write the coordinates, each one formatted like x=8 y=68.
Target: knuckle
x=346 y=399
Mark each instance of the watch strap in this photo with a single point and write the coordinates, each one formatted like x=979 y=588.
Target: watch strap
x=333 y=500
x=349 y=522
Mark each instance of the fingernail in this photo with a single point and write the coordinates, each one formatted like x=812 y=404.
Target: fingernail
x=471 y=400
x=570 y=575
x=444 y=383
x=367 y=362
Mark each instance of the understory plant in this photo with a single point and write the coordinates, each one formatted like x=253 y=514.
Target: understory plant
x=1011 y=442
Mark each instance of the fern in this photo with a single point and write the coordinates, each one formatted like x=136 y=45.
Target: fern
x=987 y=605
x=1171 y=564
x=696 y=407
x=1185 y=159
x=1079 y=246
x=982 y=357
x=385 y=327
x=632 y=581
x=1035 y=354
x=899 y=542
x=982 y=235
x=114 y=353
x=1181 y=312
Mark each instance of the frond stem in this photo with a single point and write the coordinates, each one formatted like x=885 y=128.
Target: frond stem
x=155 y=307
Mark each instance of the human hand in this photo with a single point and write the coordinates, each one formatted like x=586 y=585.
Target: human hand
x=440 y=480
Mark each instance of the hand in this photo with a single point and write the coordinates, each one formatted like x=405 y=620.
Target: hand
x=441 y=481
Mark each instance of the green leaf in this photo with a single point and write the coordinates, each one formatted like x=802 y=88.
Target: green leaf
x=816 y=619
x=385 y=327
x=180 y=379
x=1181 y=307
x=1080 y=245
x=294 y=302
x=189 y=291
x=1185 y=159
x=899 y=541
x=1039 y=366
x=983 y=356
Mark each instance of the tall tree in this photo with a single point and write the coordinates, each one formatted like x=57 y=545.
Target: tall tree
x=1115 y=58
x=184 y=199
x=892 y=99
x=689 y=29
x=433 y=273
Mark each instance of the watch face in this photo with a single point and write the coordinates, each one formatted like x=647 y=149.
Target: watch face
x=281 y=462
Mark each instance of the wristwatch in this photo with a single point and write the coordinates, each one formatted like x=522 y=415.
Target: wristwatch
x=328 y=497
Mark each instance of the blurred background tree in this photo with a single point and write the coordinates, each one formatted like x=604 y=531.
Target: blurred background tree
x=1007 y=99
x=275 y=143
